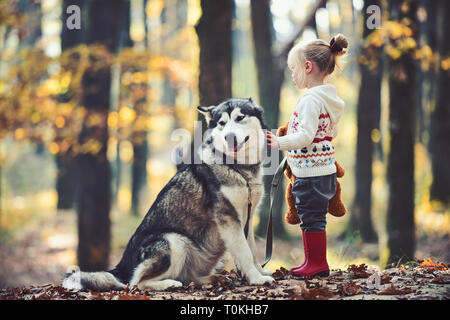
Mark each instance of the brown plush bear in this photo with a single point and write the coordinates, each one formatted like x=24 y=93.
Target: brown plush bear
x=335 y=206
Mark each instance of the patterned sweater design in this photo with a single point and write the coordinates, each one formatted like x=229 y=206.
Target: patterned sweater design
x=311 y=129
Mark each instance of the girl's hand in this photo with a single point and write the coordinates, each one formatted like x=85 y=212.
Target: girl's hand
x=272 y=140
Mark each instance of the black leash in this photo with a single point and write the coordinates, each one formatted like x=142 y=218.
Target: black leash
x=273 y=191
x=249 y=210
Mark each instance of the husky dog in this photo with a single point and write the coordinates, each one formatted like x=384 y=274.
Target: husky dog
x=200 y=214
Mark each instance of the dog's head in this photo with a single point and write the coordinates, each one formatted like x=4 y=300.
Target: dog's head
x=235 y=129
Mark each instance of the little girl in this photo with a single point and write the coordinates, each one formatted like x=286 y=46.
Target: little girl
x=312 y=127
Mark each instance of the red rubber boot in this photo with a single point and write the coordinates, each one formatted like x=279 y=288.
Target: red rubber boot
x=305 y=253
x=316 y=253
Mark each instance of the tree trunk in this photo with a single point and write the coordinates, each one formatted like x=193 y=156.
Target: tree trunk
x=139 y=170
x=72 y=37
x=368 y=115
x=66 y=181
x=124 y=41
x=138 y=138
x=214 y=35
x=270 y=79
x=95 y=177
x=29 y=34
x=400 y=170
x=432 y=33
x=174 y=16
x=31 y=30
x=67 y=178
x=440 y=117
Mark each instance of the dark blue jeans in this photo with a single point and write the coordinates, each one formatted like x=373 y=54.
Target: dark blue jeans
x=311 y=200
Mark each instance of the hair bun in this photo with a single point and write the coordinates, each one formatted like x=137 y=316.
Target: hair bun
x=338 y=43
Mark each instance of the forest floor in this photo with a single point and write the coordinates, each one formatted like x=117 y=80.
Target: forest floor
x=32 y=267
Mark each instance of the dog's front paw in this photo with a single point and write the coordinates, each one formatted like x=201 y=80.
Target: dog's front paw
x=266 y=272
x=261 y=280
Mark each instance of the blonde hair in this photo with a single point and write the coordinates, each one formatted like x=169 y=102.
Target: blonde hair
x=323 y=54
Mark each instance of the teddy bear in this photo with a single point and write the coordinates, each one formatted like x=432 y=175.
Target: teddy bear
x=335 y=206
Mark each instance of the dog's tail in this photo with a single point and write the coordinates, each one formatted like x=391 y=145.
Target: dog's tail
x=75 y=279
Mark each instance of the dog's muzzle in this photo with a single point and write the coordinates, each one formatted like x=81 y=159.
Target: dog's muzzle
x=232 y=143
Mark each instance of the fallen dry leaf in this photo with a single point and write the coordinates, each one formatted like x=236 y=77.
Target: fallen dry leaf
x=320 y=293
x=351 y=289
x=301 y=292
x=393 y=290
x=441 y=280
x=280 y=273
x=385 y=279
x=358 y=271
x=430 y=265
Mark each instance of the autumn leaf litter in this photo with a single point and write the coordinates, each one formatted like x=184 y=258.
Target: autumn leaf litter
x=357 y=282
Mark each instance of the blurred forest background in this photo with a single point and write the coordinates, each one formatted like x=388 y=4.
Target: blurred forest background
x=86 y=117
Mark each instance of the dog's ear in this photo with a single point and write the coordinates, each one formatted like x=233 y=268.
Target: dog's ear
x=259 y=112
x=206 y=111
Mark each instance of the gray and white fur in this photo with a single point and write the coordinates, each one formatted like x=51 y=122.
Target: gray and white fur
x=200 y=214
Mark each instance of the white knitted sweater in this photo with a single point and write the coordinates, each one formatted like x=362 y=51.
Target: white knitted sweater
x=312 y=126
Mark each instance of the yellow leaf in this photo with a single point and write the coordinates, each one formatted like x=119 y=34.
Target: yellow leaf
x=445 y=64
x=66 y=79
x=35 y=117
x=95 y=147
x=393 y=52
x=126 y=115
x=139 y=77
x=93 y=120
x=92 y=146
x=407 y=31
x=408 y=43
x=19 y=133
x=427 y=52
x=375 y=39
x=127 y=77
x=113 y=120
x=52 y=86
x=53 y=148
x=375 y=135
x=60 y=122
x=394 y=29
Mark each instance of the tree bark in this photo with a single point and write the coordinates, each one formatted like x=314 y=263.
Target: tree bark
x=368 y=115
x=214 y=35
x=402 y=121
x=31 y=30
x=66 y=181
x=440 y=117
x=67 y=178
x=270 y=79
x=95 y=177
x=138 y=138
x=138 y=171
x=72 y=37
